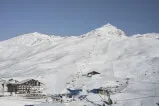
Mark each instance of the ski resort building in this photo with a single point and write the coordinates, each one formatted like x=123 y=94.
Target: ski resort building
x=90 y=74
x=29 y=86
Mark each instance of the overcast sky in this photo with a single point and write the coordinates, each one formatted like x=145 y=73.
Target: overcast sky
x=76 y=17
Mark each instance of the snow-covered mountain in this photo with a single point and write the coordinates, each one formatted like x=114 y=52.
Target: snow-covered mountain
x=57 y=60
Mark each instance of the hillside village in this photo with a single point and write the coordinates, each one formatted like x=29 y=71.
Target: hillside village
x=33 y=89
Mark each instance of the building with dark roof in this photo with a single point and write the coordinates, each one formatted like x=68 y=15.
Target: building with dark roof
x=29 y=86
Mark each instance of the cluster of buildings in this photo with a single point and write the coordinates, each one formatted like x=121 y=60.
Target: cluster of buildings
x=29 y=86
x=80 y=94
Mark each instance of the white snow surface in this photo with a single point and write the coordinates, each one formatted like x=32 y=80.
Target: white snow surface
x=56 y=60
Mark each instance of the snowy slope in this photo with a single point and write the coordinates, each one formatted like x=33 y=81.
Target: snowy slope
x=58 y=60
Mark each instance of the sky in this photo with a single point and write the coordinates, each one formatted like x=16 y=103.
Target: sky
x=76 y=17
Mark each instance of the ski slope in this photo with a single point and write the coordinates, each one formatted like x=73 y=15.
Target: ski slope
x=57 y=61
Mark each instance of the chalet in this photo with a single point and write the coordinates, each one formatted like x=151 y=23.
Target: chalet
x=29 y=86
x=90 y=74
x=74 y=92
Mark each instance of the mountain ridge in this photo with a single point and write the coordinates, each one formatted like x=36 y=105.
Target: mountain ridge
x=104 y=30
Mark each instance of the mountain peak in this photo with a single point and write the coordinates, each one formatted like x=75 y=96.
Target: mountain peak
x=36 y=34
x=107 y=30
x=108 y=25
x=29 y=39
